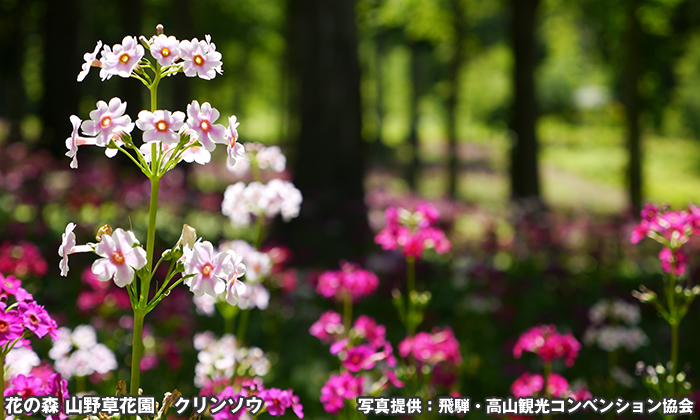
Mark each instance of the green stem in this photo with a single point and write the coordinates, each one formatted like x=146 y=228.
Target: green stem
x=2 y=386
x=154 y=92
x=545 y=391
x=347 y=312
x=137 y=351
x=674 y=321
x=152 y=213
x=79 y=384
x=410 y=287
x=242 y=325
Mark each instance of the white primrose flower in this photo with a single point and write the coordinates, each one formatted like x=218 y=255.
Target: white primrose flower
x=165 y=49
x=89 y=59
x=235 y=206
x=89 y=355
x=196 y=154
x=205 y=305
x=84 y=336
x=255 y=296
x=161 y=125
x=201 y=120
x=120 y=258
x=234 y=287
x=107 y=122
x=234 y=149
x=271 y=157
x=210 y=270
x=20 y=361
x=200 y=58
x=68 y=246
x=122 y=58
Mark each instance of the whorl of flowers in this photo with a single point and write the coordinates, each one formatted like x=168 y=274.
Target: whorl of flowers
x=529 y=385
x=22 y=317
x=39 y=384
x=672 y=229
x=218 y=358
x=265 y=157
x=621 y=332
x=350 y=280
x=440 y=346
x=546 y=342
x=22 y=260
x=413 y=231
x=77 y=353
x=242 y=201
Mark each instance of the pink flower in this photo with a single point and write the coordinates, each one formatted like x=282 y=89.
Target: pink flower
x=438 y=347
x=234 y=150
x=89 y=59
x=200 y=58
x=67 y=245
x=165 y=49
x=105 y=122
x=120 y=258
x=350 y=280
x=527 y=385
x=359 y=358
x=234 y=287
x=227 y=413
x=201 y=120
x=22 y=259
x=161 y=125
x=673 y=262
x=338 y=389
x=25 y=386
x=210 y=270
x=328 y=327
x=413 y=232
x=122 y=58
x=545 y=341
x=276 y=401
x=35 y=318
x=10 y=326
x=367 y=328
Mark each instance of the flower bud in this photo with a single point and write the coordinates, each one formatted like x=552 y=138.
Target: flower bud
x=159 y=29
x=188 y=237
x=104 y=230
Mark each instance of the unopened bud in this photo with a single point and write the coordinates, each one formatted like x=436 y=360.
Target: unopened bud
x=159 y=29
x=187 y=237
x=104 y=230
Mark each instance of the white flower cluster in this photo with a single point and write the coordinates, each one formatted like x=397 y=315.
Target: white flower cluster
x=20 y=361
x=88 y=357
x=622 y=331
x=258 y=264
x=276 y=197
x=266 y=157
x=217 y=359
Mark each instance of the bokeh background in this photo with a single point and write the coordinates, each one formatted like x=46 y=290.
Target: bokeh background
x=538 y=127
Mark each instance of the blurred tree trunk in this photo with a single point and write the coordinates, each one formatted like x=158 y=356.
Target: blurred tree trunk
x=12 y=99
x=524 y=172
x=633 y=69
x=455 y=67
x=60 y=69
x=329 y=165
x=413 y=168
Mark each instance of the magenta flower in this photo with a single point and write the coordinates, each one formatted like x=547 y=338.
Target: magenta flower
x=328 y=328
x=201 y=120
x=276 y=400
x=106 y=123
x=527 y=385
x=35 y=318
x=359 y=358
x=10 y=285
x=673 y=262
x=200 y=58
x=338 y=389
x=438 y=347
x=10 y=326
x=122 y=58
x=367 y=328
x=545 y=341
x=120 y=257
x=413 y=232
x=25 y=386
x=226 y=413
x=165 y=49
x=58 y=387
x=161 y=125
x=350 y=280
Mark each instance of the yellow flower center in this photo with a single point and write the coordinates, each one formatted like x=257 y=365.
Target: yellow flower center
x=198 y=60
x=165 y=52
x=117 y=258
x=106 y=122
x=205 y=125
x=161 y=125
x=207 y=269
x=124 y=58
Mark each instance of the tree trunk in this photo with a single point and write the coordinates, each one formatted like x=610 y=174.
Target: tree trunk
x=12 y=99
x=59 y=72
x=329 y=165
x=632 y=105
x=524 y=172
x=455 y=67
